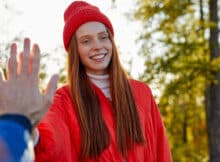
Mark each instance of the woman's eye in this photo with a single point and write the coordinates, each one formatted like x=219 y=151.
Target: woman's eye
x=104 y=37
x=85 y=41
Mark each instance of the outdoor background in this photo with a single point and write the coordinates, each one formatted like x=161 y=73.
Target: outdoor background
x=172 y=45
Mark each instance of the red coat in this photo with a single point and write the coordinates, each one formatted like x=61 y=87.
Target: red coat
x=60 y=132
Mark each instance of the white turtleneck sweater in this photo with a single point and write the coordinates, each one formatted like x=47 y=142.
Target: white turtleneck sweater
x=101 y=81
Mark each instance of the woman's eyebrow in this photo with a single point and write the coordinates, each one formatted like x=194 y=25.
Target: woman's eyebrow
x=88 y=35
x=103 y=32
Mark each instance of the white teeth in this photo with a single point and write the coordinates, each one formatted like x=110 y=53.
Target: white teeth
x=99 y=56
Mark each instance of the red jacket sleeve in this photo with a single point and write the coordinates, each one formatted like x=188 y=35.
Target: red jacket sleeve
x=162 y=145
x=54 y=134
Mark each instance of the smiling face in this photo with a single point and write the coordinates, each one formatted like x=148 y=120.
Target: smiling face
x=94 y=47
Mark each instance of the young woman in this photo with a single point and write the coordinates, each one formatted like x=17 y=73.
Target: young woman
x=101 y=114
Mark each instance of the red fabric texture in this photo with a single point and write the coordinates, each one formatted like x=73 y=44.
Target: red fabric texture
x=60 y=132
x=78 y=13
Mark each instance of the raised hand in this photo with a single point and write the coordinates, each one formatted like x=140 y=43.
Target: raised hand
x=19 y=92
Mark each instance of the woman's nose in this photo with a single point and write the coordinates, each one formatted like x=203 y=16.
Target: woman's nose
x=97 y=44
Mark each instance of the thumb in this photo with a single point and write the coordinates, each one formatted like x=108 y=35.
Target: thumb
x=51 y=87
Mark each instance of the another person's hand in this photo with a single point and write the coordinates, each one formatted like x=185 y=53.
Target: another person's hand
x=19 y=92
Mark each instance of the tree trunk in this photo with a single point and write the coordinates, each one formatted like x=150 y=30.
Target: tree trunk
x=213 y=90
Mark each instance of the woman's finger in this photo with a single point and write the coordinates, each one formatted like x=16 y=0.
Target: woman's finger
x=12 y=63
x=26 y=57
x=20 y=61
x=35 y=63
x=1 y=76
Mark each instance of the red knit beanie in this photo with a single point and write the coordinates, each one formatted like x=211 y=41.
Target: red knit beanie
x=78 y=13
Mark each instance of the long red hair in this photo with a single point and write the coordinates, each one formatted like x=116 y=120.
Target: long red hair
x=94 y=133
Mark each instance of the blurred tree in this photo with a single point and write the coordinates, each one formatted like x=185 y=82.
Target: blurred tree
x=213 y=87
x=175 y=45
x=7 y=8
